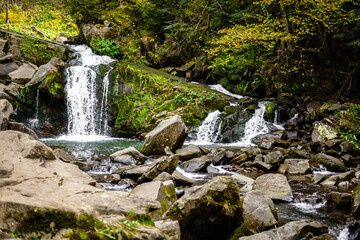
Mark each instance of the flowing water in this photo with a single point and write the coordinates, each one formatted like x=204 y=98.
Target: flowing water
x=221 y=89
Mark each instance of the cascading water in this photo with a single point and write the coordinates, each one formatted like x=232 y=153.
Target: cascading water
x=209 y=130
x=221 y=89
x=86 y=114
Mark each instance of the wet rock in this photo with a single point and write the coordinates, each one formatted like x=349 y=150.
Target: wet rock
x=210 y=211
x=134 y=172
x=168 y=151
x=23 y=74
x=270 y=143
x=296 y=120
x=170 y=132
x=323 y=132
x=338 y=178
x=290 y=231
x=318 y=178
x=128 y=156
x=296 y=153
x=6 y=110
x=164 y=164
x=244 y=183
x=195 y=165
x=171 y=229
x=230 y=154
x=181 y=180
x=331 y=163
x=219 y=158
x=189 y=152
x=273 y=158
x=354 y=230
x=340 y=200
x=22 y=128
x=346 y=147
x=274 y=186
x=246 y=154
x=295 y=166
x=7 y=67
x=269 y=111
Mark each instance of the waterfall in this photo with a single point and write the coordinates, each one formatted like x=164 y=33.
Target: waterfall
x=221 y=89
x=86 y=114
x=209 y=130
x=277 y=123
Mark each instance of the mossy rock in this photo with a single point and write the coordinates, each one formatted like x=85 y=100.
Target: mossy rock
x=269 y=111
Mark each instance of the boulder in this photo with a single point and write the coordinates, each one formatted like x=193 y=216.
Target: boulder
x=22 y=128
x=244 y=183
x=23 y=74
x=246 y=154
x=195 y=165
x=6 y=109
x=340 y=200
x=134 y=172
x=41 y=74
x=331 y=163
x=259 y=213
x=189 y=152
x=270 y=111
x=323 y=132
x=170 y=132
x=290 y=231
x=271 y=142
x=6 y=58
x=273 y=158
x=164 y=176
x=274 y=186
x=171 y=229
x=11 y=89
x=7 y=67
x=218 y=158
x=356 y=202
x=64 y=156
x=34 y=181
x=2 y=44
x=164 y=164
x=128 y=156
x=210 y=211
x=181 y=180
x=295 y=166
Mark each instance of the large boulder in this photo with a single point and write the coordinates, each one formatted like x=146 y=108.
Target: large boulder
x=128 y=156
x=295 y=166
x=323 y=132
x=22 y=128
x=196 y=165
x=164 y=164
x=291 y=231
x=6 y=109
x=244 y=183
x=171 y=229
x=274 y=186
x=170 y=132
x=189 y=152
x=23 y=74
x=47 y=70
x=7 y=67
x=331 y=163
x=34 y=182
x=210 y=211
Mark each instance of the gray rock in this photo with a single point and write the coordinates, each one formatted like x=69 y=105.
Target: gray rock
x=216 y=205
x=11 y=89
x=295 y=166
x=339 y=200
x=331 y=163
x=346 y=147
x=291 y=231
x=244 y=183
x=134 y=172
x=64 y=156
x=2 y=44
x=274 y=186
x=338 y=178
x=230 y=154
x=22 y=128
x=171 y=229
x=8 y=67
x=246 y=154
x=181 y=180
x=170 y=132
x=219 y=157
x=164 y=164
x=128 y=156
x=318 y=178
x=195 y=165
x=189 y=152
x=323 y=132
x=164 y=176
x=261 y=165
x=6 y=58
x=356 y=202
x=40 y=75
x=6 y=110
x=23 y=74
x=273 y=158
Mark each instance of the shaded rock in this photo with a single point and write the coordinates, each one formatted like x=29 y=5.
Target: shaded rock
x=189 y=152
x=6 y=109
x=195 y=165
x=244 y=183
x=274 y=186
x=356 y=202
x=318 y=178
x=270 y=143
x=246 y=154
x=164 y=176
x=338 y=178
x=339 y=200
x=210 y=211
x=331 y=163
x=296 y=153
x=181 y=180
x=134 y=172
x=269 y=111
x=128 y=156
x=291 y=231
x=346 y=147
x=12 y=89
x=2 y=44
x=8 y=67
x=219 y=158
x=23 y=74
x=171 y=229
x=164 y=164
x=6 y=58
x=261 y=165
x=170 y=132
x=295 y=166
x=40 y=75
x=322 y=132
x=22 y=128
x=64 y=156
x=273 y=158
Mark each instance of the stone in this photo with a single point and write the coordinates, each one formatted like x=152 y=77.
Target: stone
x=295 y=166
x=340 y=200
x=64 y=156
x=164 y=176
x=331 y=163
x=195 y=165
x=218 y=158
x=170 y=132
x=273 y=158
x=6 y=109
x=181 y=180
x=23 y=74
x=322 y=132
x=171 y=229
x=318 y=178
x=10 y=89
x=40 y=75
x=274 y=186
x=269 y=111
x=164 y=164
x=22 y=128
x=2 y=44
x=189 y=152
x=128 y=156
x=261 y=165
x=356 y=203
x=346 y=147
x=209 y=211
x=6 y=58
x=8 y=67
x=259 y=213
x=246 y=154
x=134 y=172
x=290 y=231
x=267 y=143
x=244 y=183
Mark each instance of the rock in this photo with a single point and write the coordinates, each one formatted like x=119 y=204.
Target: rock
x=164 y=164
x=171 y=229
x=6 y=110
x=195 y=165
x=274 y=186
x=244 y=183
x=356 y=202
x=295 y=166
x=181 y=180
x=261 y=165
x=22 y=128
x=41 y=74
x=346 y=147
x=270 y=143
x=318 y=178
x=164 y=176
x=339 y=200
x=273 y=158
x=12 y=89
x=210 y=211
x=189 y=152
x=290 y=231
x=322 y=132
x=6 y=58
x=8 y=67
x=2 y=44
x=133 y=172
x=331 y=163
x=259 y=213
x=64 y=156
x=269 y=111
x=168 y=151
x=246 y=154
x=128 y=156
x=230 y=154
x=338 y=178
x=49 y=188
x=23 y=74
x=218 y=158
x=170 y=132
x=354 y=230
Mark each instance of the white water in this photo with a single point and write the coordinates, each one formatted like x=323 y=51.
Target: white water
x=277 y=124
x=344 y=234
x=86 y=115
x=220 y=88
x=209 y=130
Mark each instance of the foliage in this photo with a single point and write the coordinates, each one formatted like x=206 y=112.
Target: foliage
x=104 y=47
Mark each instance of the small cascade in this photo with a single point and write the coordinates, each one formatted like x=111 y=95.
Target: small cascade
x=277 y=123
x=85 y=112
x=221 y=89
x=34 y=122
x=344 y=234
x=210 y=129
x=104 y=105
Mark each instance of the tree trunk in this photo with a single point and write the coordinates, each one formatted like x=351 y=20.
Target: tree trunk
x=7 y=11
x=285 y=23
